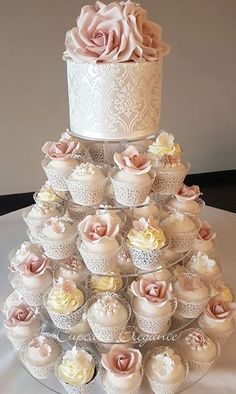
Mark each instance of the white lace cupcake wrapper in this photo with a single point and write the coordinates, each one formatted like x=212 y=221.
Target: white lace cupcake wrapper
x=130 y=194
x=64 y=321
x=56 y=178
x=155 y=325
x=60 y=249
x=99 y=263
x=86 y=193
x=169 y=182
x=161 y=388
x=182 y=242
x=31 y=298
x=190 y=310
x=147 y=259
x=19 y=343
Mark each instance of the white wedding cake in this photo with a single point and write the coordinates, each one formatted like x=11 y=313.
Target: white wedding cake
x=114 y=67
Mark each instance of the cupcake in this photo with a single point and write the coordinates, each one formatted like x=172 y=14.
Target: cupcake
x=20 y=254
x=77 y=371
x=192 y=294
x=64 y=303
x=153 y=304
x=147 y=209
x=58 y=238
x=186 y=200
x=107 y=314
x=122 y=370
x=70 y=268
x=21 y=325
x=146 y=244
x=59 y=161
x=198 y=349
x=47 y=194
x=170 y=171
x=133 y=182
x=202 y=264
x=217 y=319
x=32 y=279
x=165 y=370
x=86 y=184
x=111 y=282
x=41 y=355
x=100 y=243
x=180 y=230
x=36 y=215
x=205 y=241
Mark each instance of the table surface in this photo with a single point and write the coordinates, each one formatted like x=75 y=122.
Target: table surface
x=221 y=379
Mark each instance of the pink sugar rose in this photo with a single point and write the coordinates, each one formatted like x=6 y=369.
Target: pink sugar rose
x=95 y=228
x=34 y=265
x=188 y=193
x=152 y=290
x=132 y=161
x=61 y=150
x=218 y=309
x=121 y=360
x=40 y=343
x=117 y=32
x=20 y=315
x=205 y=231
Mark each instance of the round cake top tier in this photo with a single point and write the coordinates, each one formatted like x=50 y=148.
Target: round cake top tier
x=114 y=67
x=114 y=101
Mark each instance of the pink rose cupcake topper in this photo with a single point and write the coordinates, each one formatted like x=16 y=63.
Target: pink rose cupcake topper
x=117 y=32
x=132 y=161
x=40 y=344
x=34 y=265
x=122 y=360
x=152 y=290
x=205 y=231
x=61 y=150
x=220 y=310
x=95 y=228
x=19 y=315
x=188 y=193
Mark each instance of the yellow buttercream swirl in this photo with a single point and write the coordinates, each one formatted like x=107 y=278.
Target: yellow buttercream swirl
x=164 y=145
x=106 y=283
x=77 y=370
x=46 y=194
x=60 y=301
x=149 y=239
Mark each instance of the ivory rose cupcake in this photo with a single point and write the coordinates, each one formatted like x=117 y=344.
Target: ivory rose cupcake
x=198 y=349
x=206 y=236
x=100 y=243
x=21 y=325
x=58 y=238
x=153 y=304
x=192 y=294
x=133 y=182
x=111 y=281
x=70 y=268
x=180 y=230
x=41 y=355
x=59 y=161
x=165 y=370
x=86 y=184
x=77 y=371
x=217 y=319
x=170 y=171
x=64 y=303
x=35 y=216
x=32 y=279
x=203 y=265
x=108 y=315
x=122 y=370
x=187 y=200
x=146 y=244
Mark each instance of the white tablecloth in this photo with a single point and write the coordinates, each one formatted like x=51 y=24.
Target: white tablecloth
x=220 y=380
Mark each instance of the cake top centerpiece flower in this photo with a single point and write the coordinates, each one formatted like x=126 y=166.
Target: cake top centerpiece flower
x=114 y=33
x=146 y=235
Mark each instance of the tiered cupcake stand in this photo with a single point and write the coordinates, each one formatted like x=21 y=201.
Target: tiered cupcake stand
x=102 y=154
